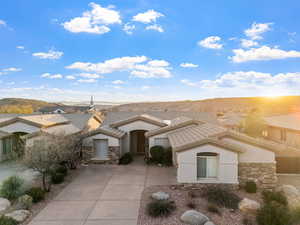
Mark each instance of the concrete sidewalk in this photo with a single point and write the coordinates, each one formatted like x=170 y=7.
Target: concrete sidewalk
x=104 y=195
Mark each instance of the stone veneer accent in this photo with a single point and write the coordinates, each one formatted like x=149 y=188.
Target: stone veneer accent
x=88 y=153
x=263 y=174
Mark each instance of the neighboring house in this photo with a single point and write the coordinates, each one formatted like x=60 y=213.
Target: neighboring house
x=203 y=152
x=232 y=120
x=285 y=129
x=61 y=109
x=31 y=127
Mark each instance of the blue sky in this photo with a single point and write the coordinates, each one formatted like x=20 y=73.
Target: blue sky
x=148 y=50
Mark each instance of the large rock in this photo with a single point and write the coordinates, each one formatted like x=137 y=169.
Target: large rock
x=194 y=217
x=19 y=215
x=4 y=204
x=209 y=223
x=292 y=194
x=160 y=195
x=249 y=206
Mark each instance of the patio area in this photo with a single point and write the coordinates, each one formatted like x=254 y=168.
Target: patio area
x=104 y=195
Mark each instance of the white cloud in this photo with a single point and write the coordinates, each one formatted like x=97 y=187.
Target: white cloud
x=70 y=77
x=146 y=71
x=147 y=17
x=90 y=75
x=248 y=43
x=51 y=54
x=87 y=80
x=3 y=23
x=212 y=42
x=257 y=29
x=94 y=21
x=118 y=82
x=128 y=28
x=155 y=27
x=262 y=53
x=145 y=87
x=51 y=76
x=188 y=65
x=20 y=47
x=158 y=63
x=12 y=69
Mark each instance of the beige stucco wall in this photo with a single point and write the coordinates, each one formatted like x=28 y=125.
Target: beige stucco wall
x=30 y=141
x=253 y=154
x=227 y=161
x=19 y=127
x=136 y=125
x=112 y=141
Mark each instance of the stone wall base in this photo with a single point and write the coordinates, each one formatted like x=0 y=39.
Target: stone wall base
x=200 y=186
x=263 y=174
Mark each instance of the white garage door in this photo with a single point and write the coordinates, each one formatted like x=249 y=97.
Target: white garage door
x=101 y=149
x=162 y=142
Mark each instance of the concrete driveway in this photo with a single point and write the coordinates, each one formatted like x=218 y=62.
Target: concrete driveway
x=104 y=195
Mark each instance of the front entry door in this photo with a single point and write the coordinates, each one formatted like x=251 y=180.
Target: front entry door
x=141 y=142
x=101 y=149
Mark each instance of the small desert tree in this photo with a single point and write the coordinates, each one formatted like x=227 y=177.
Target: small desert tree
x=253 y=124
x=46 y=153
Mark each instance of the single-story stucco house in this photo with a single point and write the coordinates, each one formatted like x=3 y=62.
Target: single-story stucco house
x=203 y=151
x=31 y=127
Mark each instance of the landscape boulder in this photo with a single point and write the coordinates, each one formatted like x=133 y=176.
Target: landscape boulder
x=249 y=206
x=24 y=202
x=18 y=215
x=4 y=204
x=194 y=217
x=209 y=223
x=160 y=195
x=292 y=194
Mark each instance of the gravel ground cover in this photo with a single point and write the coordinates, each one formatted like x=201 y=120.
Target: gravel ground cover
x=182 y=198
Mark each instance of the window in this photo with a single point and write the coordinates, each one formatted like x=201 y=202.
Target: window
x=207 y=165
x=162 y=142
x=265 y=133
x=283 y=135
x=7 y=145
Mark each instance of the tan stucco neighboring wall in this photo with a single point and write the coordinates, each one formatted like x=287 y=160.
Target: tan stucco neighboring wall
x=19 y=127
x=292 y=137
x=253 y=154
x=136 y=125
x=227 y=165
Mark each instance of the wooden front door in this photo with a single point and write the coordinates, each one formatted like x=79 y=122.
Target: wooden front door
x=141 y=142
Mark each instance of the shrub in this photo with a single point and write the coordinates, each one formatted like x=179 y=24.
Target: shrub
x=270 y=196
x=295 y=215
x=273 y=213
x=191 y=204
x=192 y=194
x=167 y=159
x=160 y=208
x=221 y=196
x=7 y=221
x=250 y=187
x=11 y=188
x=37 y=194
x=126 y=159
x=24 y=202
x=247 y=221
x=157 y=153
x=213 y=209
x=57 y=178
x=62 y=169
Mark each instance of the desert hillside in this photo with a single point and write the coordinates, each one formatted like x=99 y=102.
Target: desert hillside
x=267 y=105
x=21 y=105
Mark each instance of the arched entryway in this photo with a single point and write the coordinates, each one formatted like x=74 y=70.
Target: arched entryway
x=138 y=142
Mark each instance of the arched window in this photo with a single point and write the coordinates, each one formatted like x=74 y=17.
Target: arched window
x=207 y=165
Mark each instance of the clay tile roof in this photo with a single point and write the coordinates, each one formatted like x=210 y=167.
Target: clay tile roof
x=106 y=130
x=143 y=117
x=288 y=121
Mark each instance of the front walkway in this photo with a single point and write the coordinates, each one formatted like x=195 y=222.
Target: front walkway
x=104 y=195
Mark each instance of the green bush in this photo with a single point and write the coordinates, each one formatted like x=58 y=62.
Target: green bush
x=247 y=221
x=62 y=169
x=157 y=153
x=12 y=188
x=250 y=187
x=295 y=215
x=126 y=159
x=160 y=208
x=167 y=159
x=57 y=178
x=274 y=196
x=213 y=209
x=274 y=213
x=37 y=194
x=7 y=221
x=221 y=196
